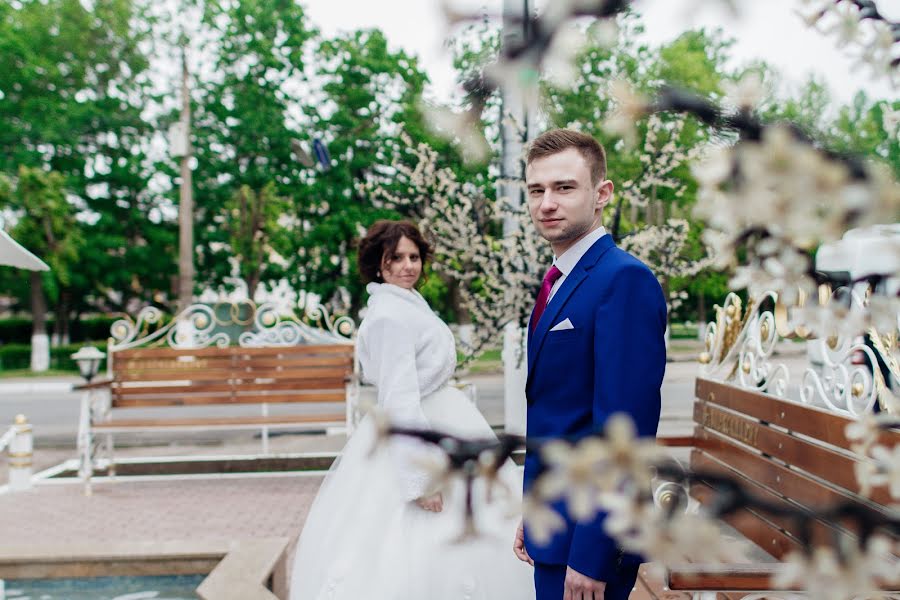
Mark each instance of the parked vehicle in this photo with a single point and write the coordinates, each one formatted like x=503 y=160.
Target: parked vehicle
x=861 y=252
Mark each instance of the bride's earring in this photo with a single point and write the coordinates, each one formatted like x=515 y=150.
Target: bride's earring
x=378 y=274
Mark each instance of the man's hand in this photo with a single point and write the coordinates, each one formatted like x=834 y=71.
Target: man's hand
x=519 y=545
x=433 y=503
x=582 y=587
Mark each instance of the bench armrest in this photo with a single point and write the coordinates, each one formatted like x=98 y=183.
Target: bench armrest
x=750 y=577
x=676 y=441
x=94 y=385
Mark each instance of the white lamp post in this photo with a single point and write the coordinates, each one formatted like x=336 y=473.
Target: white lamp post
x=88 y=359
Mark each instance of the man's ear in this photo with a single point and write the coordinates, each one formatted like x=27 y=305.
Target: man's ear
x=604 y=193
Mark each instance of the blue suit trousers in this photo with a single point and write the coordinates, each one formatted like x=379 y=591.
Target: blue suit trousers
x=549 y=582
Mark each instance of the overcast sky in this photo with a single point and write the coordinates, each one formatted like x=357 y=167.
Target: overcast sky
x=767 y=29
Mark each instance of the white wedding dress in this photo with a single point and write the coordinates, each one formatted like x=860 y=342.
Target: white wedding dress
x=363 y=536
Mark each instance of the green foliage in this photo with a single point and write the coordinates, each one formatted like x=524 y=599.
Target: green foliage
x=72 y=104
x=18 y=330
x=244 y=134
x=47 y=226
x=369 y=95
x=695 y=61
x=857 y=128
x=254 y=231
x=18 y=356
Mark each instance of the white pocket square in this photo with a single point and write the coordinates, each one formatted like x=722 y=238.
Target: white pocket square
x=562 y=326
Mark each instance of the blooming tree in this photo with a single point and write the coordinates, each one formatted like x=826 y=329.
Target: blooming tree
x=497 y=275
x=770 y=197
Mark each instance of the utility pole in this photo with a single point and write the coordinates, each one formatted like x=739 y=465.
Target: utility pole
x=516 y=20
x=186 y=195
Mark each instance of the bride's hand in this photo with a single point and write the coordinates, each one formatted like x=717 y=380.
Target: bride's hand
x=433 y=503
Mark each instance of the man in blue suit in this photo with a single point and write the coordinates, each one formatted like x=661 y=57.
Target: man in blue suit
x=595 y=348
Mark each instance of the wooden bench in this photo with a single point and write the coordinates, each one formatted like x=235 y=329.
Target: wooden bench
x=785 y=452
x=218 y=377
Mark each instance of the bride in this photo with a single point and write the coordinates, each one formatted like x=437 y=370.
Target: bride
x=374 y=531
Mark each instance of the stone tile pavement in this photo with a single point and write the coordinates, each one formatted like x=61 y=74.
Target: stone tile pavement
x=166 y=508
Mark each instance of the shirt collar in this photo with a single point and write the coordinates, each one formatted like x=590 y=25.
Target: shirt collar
x=567 y=261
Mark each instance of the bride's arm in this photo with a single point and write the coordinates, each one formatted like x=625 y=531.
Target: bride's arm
x=389 y=360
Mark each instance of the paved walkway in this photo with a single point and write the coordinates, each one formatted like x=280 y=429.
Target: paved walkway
x=159 y=510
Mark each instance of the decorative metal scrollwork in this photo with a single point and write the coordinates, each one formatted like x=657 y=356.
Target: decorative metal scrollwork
x=231 y=323
x=740 y=344
x=756 y=369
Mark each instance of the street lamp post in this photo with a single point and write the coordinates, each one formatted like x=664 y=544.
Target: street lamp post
x=515 y=21
x=180 y=145
x=88 y=359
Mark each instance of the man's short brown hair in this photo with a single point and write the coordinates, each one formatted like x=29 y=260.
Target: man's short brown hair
x=557 y=140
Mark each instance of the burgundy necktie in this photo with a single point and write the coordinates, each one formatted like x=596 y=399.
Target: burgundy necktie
x=549 y=279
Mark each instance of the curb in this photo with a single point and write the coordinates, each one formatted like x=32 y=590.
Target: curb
x=35 y=387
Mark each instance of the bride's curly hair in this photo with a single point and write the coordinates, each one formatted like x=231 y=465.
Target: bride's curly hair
x=381 y=241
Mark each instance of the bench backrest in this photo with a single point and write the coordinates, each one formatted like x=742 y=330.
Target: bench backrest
x=232 y=375
x=785 y=452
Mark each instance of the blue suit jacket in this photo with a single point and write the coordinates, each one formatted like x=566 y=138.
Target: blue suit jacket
x=612 y=361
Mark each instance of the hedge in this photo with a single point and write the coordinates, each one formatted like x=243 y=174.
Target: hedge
x=18 y=330
x=18 y=356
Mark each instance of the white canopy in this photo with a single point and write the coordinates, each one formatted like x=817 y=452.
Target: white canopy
x=14 y=255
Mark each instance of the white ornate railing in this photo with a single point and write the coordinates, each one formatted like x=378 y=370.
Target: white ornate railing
x=201 y=325
x=740 y=347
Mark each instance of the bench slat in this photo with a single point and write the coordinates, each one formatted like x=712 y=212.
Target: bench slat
x=233 y=362
x=235 y=351
x=791 y=483
x=754 y=527
x=220 y=421
x=814 y=422
x=749 y=578
x=829 y=465
x=821 y=531
x=189 y=400
x=203 y=374
x=239 y=387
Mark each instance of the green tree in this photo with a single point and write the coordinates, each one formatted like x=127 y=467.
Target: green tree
x=247 y=124
x=72 y=103
x=369 y=95
x=254 y=231
x=47 y=226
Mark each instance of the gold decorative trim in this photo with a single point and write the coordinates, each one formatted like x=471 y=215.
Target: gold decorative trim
x=739 y=345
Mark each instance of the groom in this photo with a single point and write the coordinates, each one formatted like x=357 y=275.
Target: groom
x=595 y=348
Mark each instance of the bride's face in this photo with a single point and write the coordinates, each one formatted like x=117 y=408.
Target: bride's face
x=404 y=267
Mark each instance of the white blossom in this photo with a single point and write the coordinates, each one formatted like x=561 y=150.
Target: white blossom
x=631 y=107
x=747 y=92
x=838 y=574
x=542 y=521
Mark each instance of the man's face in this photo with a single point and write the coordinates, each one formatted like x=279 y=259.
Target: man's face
x=563 y=203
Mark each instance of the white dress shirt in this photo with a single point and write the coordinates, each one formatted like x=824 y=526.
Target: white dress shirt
x=570 y=257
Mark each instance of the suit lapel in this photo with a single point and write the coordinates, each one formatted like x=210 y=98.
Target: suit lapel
x=568 y=287
x=559 y=299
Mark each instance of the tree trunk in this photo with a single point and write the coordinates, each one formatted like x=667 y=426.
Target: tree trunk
x=252 y=282
x=701 y=310
x=61 y=327
x=40 y=344
x=63 y=314
x=462 y=315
